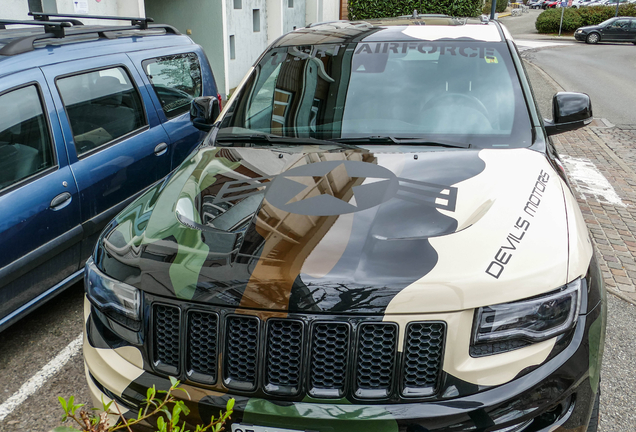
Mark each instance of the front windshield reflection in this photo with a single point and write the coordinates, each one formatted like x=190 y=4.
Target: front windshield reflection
x=456 y=90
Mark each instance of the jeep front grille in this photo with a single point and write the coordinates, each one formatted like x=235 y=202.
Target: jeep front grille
x=202 y=346
x=327 y=358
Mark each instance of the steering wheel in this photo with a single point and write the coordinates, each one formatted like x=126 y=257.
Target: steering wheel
x=457 y=99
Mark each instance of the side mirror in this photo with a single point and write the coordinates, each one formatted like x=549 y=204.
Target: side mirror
x=571 y=111
x=203 y=112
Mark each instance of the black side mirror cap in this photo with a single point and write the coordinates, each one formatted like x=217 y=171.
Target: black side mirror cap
x=571 y=111
x=203 y=112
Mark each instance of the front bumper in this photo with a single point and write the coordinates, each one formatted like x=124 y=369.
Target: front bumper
x=556 y=396
x=580 y=36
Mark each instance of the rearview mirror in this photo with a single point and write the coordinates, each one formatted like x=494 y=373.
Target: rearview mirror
x=203 y=112
x=570 y=111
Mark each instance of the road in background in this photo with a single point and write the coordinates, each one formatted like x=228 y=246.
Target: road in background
x=31 y=343
x=605 y=71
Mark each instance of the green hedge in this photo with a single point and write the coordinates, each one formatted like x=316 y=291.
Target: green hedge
x=369 y=9
x=501 y=6
x=548 y=21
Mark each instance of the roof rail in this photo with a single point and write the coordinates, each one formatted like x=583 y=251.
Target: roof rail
x=55 y=28
x=62 y=29
x=136 y=21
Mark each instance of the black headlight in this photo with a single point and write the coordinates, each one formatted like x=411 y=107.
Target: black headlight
x=117 y=300
x=531 y=320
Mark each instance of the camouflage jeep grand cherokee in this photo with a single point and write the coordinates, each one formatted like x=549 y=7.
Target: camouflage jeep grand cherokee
x=377 y=235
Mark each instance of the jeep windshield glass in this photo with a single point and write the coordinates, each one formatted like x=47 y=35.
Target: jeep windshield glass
x=455 y=91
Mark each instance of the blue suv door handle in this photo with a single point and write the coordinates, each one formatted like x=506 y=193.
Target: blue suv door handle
x=61 y=201
x=161 y=149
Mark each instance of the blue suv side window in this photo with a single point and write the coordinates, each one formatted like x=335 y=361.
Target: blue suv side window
x=101 y=106
x=176 y=80
x=25 y=144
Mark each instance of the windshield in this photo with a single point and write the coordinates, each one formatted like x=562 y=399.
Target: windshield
x=460 y=91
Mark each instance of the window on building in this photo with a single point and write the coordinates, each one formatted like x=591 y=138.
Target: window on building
x=290 y=3
x=176 y=80
x=101 y=106
x=25 y=145
x=238 y=4
x=232 y=48
x=256 y=20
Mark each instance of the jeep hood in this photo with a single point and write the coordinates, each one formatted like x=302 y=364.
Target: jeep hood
x=302 y=229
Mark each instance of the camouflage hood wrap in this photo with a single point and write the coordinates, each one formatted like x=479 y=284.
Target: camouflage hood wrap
x=303 y=229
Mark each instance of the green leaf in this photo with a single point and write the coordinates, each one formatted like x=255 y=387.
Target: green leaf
x=161 y=423
x=75 y=407
x=174 y=381
x=64 y=429
x=230 y=405
x=63 y=403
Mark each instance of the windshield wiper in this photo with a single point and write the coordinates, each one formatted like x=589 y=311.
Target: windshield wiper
x=276 y=139
x=402 y=141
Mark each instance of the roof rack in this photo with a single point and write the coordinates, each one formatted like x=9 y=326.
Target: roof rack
x=67 y=27
x=141 y=22
x=56 y=28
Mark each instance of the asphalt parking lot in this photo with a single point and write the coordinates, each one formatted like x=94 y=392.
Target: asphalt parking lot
x=29 y=389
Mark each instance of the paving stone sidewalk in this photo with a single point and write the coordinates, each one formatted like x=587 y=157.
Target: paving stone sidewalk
x=612 y=225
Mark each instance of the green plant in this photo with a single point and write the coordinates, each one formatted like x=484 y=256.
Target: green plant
x=370 y=9
x=167 y=412
x=548 y=21
x=501 y=7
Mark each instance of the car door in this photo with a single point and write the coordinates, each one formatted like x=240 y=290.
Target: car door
x=40 y=226
x=174 y=76
x=632 y=31
x=618 y=30
x=117 y=146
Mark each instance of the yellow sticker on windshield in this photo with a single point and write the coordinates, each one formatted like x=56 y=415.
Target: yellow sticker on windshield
x=491 y=59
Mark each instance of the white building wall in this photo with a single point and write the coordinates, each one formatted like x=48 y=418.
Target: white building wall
x=127 y=8
x=322 y=10
x=274 y=19
x=19 y=9
x=293 y=17
x=331 y=10
x=15 y=9
x=248 y=44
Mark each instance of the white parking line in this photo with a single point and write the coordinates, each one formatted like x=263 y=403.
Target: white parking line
x=523 y=45
x=38 y=380
x=589 y=181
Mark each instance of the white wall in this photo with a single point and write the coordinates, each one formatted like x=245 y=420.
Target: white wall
x=127 y=8
x=322 y=10
x=18 y=9
x=15 y=9
x=293 y=17
x=248 y=43
x=274 y=19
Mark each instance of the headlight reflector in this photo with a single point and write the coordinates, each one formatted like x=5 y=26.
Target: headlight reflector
x=110 y=295
x=534 y=320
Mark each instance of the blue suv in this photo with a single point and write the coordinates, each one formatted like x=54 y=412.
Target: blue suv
x=90 y=116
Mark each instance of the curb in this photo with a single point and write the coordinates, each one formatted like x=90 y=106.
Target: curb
x=620 y=295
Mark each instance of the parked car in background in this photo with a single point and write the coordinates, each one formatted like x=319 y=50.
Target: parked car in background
x=581 y=3
x=376 y=235
x=617 y=29
x=91 y=116
x=534 y=4
x=613 y=3
x=551 y=4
